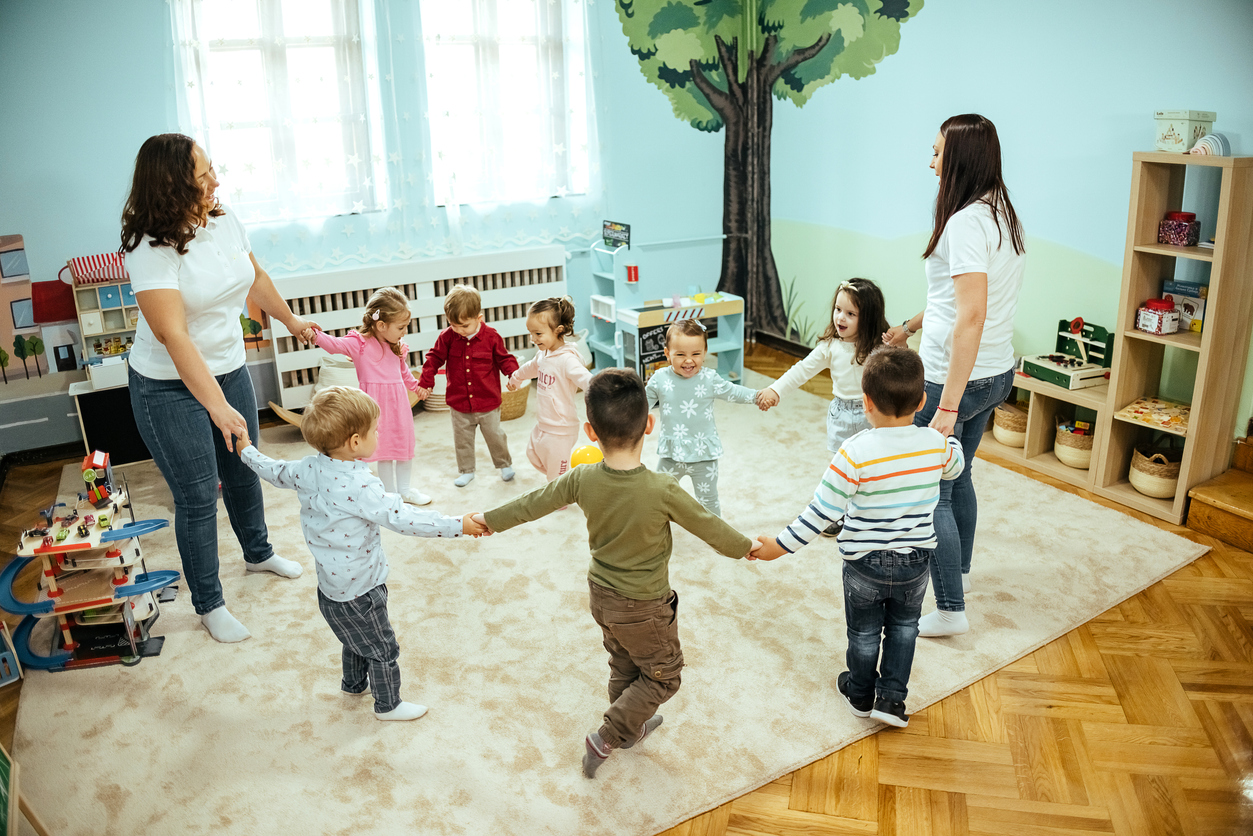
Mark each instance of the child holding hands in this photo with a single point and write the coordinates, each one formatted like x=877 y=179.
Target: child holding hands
x=342 y=506
x=857 y=327
x=560 y=373
x=885 y=484
x=381 y=359
x=686 y=391
x=629 y=509
x=476 y=358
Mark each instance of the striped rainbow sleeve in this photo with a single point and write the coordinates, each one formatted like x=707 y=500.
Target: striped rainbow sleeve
x=829 y=504
x=956 y=460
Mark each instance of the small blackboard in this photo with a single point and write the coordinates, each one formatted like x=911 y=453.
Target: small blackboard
x=652 y=347
x=616 y=234
x=8 y=792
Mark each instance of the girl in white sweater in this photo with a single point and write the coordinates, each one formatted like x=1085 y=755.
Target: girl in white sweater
x=857 y=327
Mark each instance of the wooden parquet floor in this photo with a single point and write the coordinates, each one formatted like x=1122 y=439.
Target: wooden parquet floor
x=1138 y=723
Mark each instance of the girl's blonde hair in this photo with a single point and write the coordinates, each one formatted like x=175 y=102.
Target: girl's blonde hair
x=387 y=304
x=687 y=328
x=558 y=312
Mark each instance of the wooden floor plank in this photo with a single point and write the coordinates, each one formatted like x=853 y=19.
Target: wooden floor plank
x=1149 y=692
x=950 y=765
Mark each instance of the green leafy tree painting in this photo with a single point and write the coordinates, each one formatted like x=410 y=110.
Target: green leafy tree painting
x=21 y=352
x=4 y=364
x=722 y=63
x=251 y=329
x=35 y=350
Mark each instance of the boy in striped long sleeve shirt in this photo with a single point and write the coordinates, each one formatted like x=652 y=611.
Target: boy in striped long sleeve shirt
x=884 y=483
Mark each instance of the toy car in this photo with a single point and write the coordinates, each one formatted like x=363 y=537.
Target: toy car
x=37 y=532
x=89 y=520
x=103 y=521
x=70 y=519
x=48 y=541
x=82 y=531
x=63 y=533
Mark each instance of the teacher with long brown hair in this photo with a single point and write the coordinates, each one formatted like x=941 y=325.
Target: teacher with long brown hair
x=192 y=270
x=974 y=266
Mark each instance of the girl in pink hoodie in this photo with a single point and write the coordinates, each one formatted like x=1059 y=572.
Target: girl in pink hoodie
x=559 y=373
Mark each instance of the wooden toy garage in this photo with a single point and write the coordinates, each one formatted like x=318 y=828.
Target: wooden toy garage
x=93 y=580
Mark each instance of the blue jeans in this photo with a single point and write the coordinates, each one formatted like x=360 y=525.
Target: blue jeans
x=192 y=456
x=958 y=510
x=883 y=594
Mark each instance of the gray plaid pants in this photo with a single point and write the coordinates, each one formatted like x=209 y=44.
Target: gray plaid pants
x=370 y=646
x=704 y=480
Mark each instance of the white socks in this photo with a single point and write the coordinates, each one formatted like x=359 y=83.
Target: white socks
x=966 y=584
x=278 y=565
x=941 y=623
x=387 y=473
x=402 y=476
x=223 y=626
x=404 y=711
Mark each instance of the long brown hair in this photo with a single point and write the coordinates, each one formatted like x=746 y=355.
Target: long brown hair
x=970 y=171
x=166 y=201
x=872 y=321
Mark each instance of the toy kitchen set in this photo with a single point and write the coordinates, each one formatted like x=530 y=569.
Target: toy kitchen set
x=1081 y=360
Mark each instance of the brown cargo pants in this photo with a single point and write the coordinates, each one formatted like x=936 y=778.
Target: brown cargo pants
x=645 y=659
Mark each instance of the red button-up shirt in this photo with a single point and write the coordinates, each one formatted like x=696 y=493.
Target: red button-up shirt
x=474 y=368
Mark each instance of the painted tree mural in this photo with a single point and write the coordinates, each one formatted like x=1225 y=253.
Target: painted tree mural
x=721 y=63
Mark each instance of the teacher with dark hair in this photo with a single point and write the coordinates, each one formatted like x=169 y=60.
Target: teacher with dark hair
x=192 y=270
x=974 y=264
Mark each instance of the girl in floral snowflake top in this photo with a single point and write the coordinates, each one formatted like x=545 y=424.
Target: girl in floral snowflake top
x=685 y=391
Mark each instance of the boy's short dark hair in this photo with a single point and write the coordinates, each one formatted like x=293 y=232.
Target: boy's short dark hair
x=893 y=378
x=617 y=408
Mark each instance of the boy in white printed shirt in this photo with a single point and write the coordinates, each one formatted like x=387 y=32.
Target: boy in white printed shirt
x=342 y=506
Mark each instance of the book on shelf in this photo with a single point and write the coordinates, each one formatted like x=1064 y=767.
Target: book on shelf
x=1159 y=413
x=1194 y=289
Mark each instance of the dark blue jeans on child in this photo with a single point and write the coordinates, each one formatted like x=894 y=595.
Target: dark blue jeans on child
x=883 y=593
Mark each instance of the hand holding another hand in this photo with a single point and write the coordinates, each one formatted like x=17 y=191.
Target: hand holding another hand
x=767 y=548
x=474 y=525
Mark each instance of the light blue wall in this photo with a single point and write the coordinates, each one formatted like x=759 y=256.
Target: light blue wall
x=1072 y=87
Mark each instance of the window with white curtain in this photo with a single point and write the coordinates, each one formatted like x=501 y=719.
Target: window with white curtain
x=507 y=89
x=283 y=96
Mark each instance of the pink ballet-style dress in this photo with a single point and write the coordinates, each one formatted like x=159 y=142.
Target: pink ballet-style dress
x=386 y=378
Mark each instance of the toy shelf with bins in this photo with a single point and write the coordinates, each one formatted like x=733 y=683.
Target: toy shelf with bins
x=107 y=314
x=610 y=293
x=1219 y=351
x=1046 y=404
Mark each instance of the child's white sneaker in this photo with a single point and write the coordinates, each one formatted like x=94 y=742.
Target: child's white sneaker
x=404 y=711
x=415 y=497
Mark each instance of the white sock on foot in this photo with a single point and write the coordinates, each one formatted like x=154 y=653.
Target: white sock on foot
x=463 y=480
x=404 y=711
x=942 y=623
x=223 y=626
x=278 y=565
x=966 y=584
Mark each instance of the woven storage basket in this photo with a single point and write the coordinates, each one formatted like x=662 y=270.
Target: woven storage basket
x=513 y=404
x=1073 y=450
x=1154 y=475
x=1009 y=427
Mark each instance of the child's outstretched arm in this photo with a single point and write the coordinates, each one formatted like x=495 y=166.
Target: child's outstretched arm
x=527 y=371
x=793 y=378
x=724 y=389
x=690 y=514
x=540 y=502
x=435 y=358
x=388 y=510
x=349 y=344
x=278 y=473
x=828 y=506
x=505 y=361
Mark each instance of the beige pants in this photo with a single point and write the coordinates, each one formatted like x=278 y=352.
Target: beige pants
x=550 y=452
x=463 y=424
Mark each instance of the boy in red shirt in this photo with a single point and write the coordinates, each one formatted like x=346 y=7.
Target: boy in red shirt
x=476 y=357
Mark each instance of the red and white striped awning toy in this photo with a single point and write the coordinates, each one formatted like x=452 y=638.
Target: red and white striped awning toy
x=94 y=269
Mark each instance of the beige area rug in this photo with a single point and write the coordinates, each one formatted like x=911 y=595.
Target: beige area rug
x=255 y=738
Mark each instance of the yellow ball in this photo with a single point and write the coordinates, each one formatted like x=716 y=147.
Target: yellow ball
x=587 y=454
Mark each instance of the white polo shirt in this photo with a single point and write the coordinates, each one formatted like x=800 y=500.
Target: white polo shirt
x=214 y=278
x=970 y=243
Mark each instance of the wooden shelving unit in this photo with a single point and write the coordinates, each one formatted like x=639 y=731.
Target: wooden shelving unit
x=1157 y=183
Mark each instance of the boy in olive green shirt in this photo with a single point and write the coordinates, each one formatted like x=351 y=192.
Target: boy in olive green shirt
x=629 y=509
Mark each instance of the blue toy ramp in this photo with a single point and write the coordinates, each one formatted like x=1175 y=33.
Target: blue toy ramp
x=28 y=657
x=147 y=582
x=11 y=604
x=134 y=529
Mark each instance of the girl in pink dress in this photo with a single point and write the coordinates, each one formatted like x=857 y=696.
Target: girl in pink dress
x=559 y=373
x=381 y=357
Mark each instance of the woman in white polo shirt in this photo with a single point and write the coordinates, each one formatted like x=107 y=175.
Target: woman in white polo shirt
x=974 y=264
x=192 y=269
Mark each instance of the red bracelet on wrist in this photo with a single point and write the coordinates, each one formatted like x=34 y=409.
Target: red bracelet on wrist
x=942 y=409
